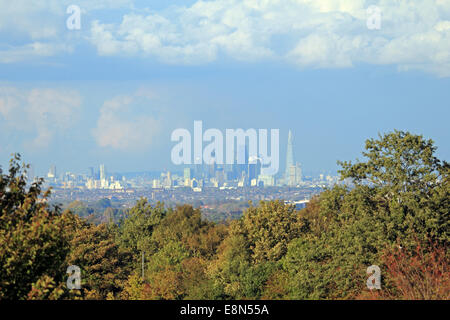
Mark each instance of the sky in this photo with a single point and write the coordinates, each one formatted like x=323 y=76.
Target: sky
x=335 y=72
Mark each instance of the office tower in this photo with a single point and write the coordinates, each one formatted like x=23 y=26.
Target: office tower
x=212 y=170
x=241 y=159
x=187 y=176
x=187 y=173
x=91 y=172
x=102 y=172
x=220 y=175
x=295 y=175
x=168 y=181
x=289 y=156
x=298 y=174
x=266 y=180
x=156 y=184
x=254 y=169
x=52 y=172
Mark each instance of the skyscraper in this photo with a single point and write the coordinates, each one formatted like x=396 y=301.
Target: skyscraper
x=102 y=172
x=187 y=176
x=289 y=156
x=295 y=175
x=91 y=172
x=52 y=172
x=187 y=173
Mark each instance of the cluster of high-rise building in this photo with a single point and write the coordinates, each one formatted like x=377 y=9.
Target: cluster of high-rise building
x=197 y=177
x=92 y=180
x=247 y=174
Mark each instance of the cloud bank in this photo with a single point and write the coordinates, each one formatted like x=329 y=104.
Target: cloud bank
x=307 y=33
x=127 y=122
x=42 y=113
x=414 y=34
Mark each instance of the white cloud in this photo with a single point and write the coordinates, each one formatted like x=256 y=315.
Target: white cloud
x=414 y=34
x=127 y=122
x=37 y=28
x=39 y=112
x=308 y=33
x=324 y=50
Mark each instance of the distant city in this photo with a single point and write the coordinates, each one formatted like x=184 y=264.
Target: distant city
x=205 y=183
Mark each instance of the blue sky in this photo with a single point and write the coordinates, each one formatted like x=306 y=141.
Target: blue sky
x=113 y=91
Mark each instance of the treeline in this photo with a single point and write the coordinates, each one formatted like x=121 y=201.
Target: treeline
x=100 y=211
x=109 y=211
x=396 y=217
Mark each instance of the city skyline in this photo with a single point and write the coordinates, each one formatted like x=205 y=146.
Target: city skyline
x=241 y=172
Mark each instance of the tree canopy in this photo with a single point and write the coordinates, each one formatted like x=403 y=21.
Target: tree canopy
x=395 y=215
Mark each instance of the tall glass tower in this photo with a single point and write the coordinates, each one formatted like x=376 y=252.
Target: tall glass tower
x=289 y=155
x=102 y=172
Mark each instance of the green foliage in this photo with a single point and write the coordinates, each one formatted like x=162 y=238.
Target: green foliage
x=400 y=196
x=411 y=186
x=399 y=199
x=249 y=255
x=33 y=245
x=81 y=209
x=268 y=229
x=184 y=243
x=137 y=227
x=185 y=224
x=104 y=265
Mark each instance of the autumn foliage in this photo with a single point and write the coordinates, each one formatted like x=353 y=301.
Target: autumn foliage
x=419 y=273
x=395 y=215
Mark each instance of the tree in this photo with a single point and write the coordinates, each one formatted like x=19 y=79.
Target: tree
x=104 y=265
x=136 y=228
x=400 y=193
x=398 y=162
x=185 y=224
x=421 y=273
x=33 y=245
x=232 y=262
x=412 y=184
x=269 y=228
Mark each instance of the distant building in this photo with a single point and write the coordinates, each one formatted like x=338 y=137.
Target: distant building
x=289 y=156
x=293 y=173
x=266 y=180
x=102 y=172
x=254 y=169
x=156 y=184
x=52 y=172
x=116 y=185
x=168 y=182
x=212 y=170
x=187 y=176
x=91 y=173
